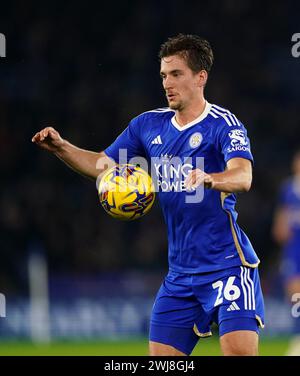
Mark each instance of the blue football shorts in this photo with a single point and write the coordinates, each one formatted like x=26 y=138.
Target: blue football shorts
x=187 y=304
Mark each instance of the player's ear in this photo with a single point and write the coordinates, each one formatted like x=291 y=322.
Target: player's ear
x=202 y=77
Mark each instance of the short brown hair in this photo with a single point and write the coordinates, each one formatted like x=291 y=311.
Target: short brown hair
x=195 y=50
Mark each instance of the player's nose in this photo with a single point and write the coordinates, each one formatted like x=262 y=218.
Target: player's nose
x=168 y=83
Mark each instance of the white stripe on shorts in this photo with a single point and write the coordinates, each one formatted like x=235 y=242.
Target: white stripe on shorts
x=244 y=289
x=248 y=287
x=252 y=288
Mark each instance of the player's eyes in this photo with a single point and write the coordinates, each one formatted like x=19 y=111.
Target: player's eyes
x=175 y=74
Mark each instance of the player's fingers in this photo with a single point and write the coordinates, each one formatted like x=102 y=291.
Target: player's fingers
x=198 y=181
x=197 y=177
x=189 y=183
x=189 y=178
x=49 y=130
x=39 y=136
x=36 y=137
x=45 y=132
x=189 y=187
x=53 y=133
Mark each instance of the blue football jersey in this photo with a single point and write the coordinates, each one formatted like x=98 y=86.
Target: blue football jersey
x=203 y=234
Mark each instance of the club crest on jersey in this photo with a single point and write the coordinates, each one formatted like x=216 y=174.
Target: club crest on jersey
x=195 y=140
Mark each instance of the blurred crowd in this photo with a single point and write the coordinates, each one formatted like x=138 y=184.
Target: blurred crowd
x=87 y=69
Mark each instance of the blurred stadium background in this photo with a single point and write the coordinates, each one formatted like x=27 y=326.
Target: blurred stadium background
x=74 y=281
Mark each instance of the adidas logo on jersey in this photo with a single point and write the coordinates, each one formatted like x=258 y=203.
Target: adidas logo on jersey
x=233 y=307
x=157 y=141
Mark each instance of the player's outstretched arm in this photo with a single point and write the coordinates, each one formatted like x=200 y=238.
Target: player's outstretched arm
x=85 y=162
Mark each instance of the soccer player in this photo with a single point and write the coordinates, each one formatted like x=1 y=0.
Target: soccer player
x=286 y=231
x=213 y=275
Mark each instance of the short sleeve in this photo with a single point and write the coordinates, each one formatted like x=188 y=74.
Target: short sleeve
x=234 y=142
x=128 y=144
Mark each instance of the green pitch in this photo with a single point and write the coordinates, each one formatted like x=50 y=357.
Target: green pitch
x=208 y=346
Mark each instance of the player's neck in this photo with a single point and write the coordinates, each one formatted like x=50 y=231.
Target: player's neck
x=191 y=113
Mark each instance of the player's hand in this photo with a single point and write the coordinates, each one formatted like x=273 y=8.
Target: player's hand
x=48 y=139
x=197 y=177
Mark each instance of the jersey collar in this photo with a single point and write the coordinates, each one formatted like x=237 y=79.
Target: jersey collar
x=197 y=120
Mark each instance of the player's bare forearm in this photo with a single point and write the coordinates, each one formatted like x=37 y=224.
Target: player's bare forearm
x=82 y=161
x=236 y=178
x=85 y=162
x=233 y=180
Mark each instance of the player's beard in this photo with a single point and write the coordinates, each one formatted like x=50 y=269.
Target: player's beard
x=177 y=106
